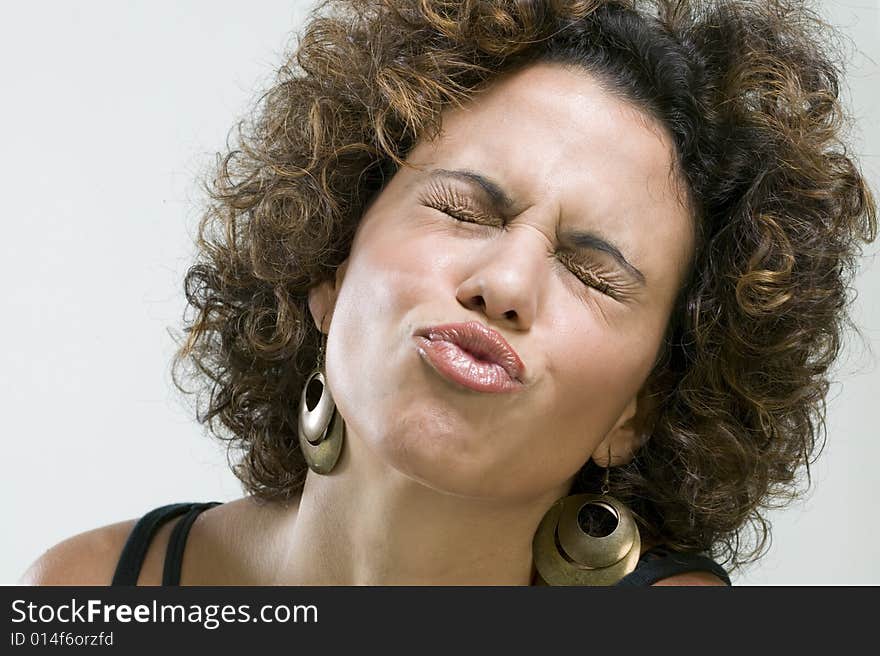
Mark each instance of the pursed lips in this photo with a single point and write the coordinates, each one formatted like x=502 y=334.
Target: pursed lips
x=481 y=343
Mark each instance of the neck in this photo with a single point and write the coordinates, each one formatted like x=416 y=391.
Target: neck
x=368 y=524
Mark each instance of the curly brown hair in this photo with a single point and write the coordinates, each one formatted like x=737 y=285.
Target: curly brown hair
x=749 y=91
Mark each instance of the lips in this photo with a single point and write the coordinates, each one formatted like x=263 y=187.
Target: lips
x=472 y=354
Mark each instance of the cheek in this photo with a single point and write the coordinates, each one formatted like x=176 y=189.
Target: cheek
x=390 y=403
x=385 y=280
x=375 y=314
x=596 y=369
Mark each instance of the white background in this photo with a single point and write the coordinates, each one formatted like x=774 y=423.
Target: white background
x=110 y=113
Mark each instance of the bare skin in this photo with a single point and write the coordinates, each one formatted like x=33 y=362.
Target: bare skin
x=437 y=484
x=213 y=556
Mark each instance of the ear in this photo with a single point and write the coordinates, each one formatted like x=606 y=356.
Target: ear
x=629 y=434
x=322 y=298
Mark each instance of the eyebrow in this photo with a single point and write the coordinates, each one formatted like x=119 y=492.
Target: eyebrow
x=493 y=189
x=593 y=241
x=578 y=239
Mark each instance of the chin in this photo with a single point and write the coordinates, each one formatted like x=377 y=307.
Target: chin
x=439 y=452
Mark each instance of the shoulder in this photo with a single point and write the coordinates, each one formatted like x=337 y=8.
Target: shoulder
x=219 y=547
x=223 y=546
x=691 y=578
x=88 y=558
x=666 y=566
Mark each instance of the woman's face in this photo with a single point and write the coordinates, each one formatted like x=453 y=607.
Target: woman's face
x=587 y=326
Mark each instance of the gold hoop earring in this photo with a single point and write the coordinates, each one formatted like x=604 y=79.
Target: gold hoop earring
x=567 y=553
x=321 y=427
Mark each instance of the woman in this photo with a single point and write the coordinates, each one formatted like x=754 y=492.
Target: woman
x=573 y=273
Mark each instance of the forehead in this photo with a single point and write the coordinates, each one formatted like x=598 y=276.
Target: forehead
x=552 y=137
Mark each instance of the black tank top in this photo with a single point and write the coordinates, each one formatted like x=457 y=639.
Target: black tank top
x=655 y=564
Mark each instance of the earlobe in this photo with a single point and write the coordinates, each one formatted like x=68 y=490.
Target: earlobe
x=339 y=276
x=321 y=302
x=626 y=438
x=322 y=297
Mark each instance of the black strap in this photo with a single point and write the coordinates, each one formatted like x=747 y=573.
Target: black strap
x=660 y=563
x=177 y=543
x=128 y=569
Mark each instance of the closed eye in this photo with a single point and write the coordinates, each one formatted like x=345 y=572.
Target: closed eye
x=461 y=207
x=588 y=276
x=467 y=215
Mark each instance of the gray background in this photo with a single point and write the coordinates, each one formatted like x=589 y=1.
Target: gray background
x=110 y=112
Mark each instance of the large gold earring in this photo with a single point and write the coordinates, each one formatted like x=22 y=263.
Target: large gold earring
x=565 y=550
x=321 y=427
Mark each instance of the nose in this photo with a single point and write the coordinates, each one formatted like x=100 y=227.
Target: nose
x=506 y=278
